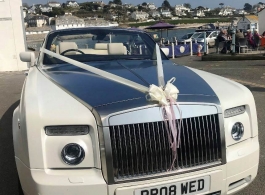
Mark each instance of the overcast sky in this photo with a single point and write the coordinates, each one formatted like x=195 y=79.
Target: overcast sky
x=194 y=3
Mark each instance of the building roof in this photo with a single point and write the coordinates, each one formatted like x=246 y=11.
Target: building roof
x=252 y=18
x=35 y=37
x=68 y=19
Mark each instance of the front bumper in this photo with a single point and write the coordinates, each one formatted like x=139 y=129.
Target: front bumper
x=240 y=170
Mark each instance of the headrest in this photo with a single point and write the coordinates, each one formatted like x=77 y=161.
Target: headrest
x=116 y=49
x=68 y=45
x=101 y=46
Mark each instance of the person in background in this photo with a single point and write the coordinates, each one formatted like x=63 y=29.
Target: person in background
x=250 y=39
x=222 y=37
x=239 y=35
x=256 y=38
x=263 y=34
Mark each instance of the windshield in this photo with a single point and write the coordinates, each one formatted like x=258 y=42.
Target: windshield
x=195 y=35
x=100 y=45
x=202 y=35
x=187 y=36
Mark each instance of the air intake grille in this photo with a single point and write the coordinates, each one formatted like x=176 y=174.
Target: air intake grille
x=143 y=149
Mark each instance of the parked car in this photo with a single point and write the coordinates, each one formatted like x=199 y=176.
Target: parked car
x=86 y=124
x=210 y=38
x=188 y=37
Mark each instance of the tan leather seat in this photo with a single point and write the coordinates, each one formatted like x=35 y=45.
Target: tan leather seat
x=63 y=46
x=101 y=46
x=100 y=49
x=117 y=49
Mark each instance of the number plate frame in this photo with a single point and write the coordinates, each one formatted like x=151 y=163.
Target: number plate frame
x=187 y=187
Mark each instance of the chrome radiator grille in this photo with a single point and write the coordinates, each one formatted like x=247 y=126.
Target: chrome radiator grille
x=143 y=149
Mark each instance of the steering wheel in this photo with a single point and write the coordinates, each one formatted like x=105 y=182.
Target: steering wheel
x=72 y=50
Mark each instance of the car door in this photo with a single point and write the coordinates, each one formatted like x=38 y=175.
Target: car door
x=212 y=38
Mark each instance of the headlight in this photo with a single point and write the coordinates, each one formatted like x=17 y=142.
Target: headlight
x=237 y=131
x=73 y=154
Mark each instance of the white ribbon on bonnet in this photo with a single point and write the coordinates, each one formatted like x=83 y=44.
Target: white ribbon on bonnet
x=165 y=95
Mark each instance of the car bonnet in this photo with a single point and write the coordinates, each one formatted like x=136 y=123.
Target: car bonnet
x=107 y=96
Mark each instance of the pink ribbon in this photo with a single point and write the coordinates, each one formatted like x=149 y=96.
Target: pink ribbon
x=167 y=98
x=173 y=130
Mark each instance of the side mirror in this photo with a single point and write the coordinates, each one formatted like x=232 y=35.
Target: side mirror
x=166 y=51
x=27 y=57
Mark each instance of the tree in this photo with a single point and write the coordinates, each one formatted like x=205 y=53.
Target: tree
x=188 y=14
x=166 y=4
x=25 y=5
x=140 y=8
x=57 y=11
x=38 y=10
x=106 y=9
x=221 y=4
x=144 y=4
x=215 y=11
x=200 y=8
x=247 y=7
x=118 y=2
x=187 y=5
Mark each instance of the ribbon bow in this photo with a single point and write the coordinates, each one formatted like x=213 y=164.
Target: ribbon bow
x=162 y=95
x=167 y=96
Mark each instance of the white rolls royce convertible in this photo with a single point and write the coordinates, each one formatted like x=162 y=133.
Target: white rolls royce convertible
x=103 y=111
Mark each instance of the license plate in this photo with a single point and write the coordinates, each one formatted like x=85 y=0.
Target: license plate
x=188 y=187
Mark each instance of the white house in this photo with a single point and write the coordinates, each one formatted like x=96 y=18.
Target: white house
x=180 y=13
x=32 y=9
x=261 y=15
x=68 y=21
x=166 y=13
x=154 y=14
x=11 y=36
x=113 y=5
x=72 y=4
x=54 y=4
x=151 y=6
x=241 y=12
x=126 y=5
x=249 y=22
x=25 y=10
x=36 y=20
x=101 y=3
x=46 y=8
x=139 y=15
x=198 y=13
x=226 y=11
x=181 y=8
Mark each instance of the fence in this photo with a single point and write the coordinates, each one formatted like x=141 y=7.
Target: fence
x=184 y=50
